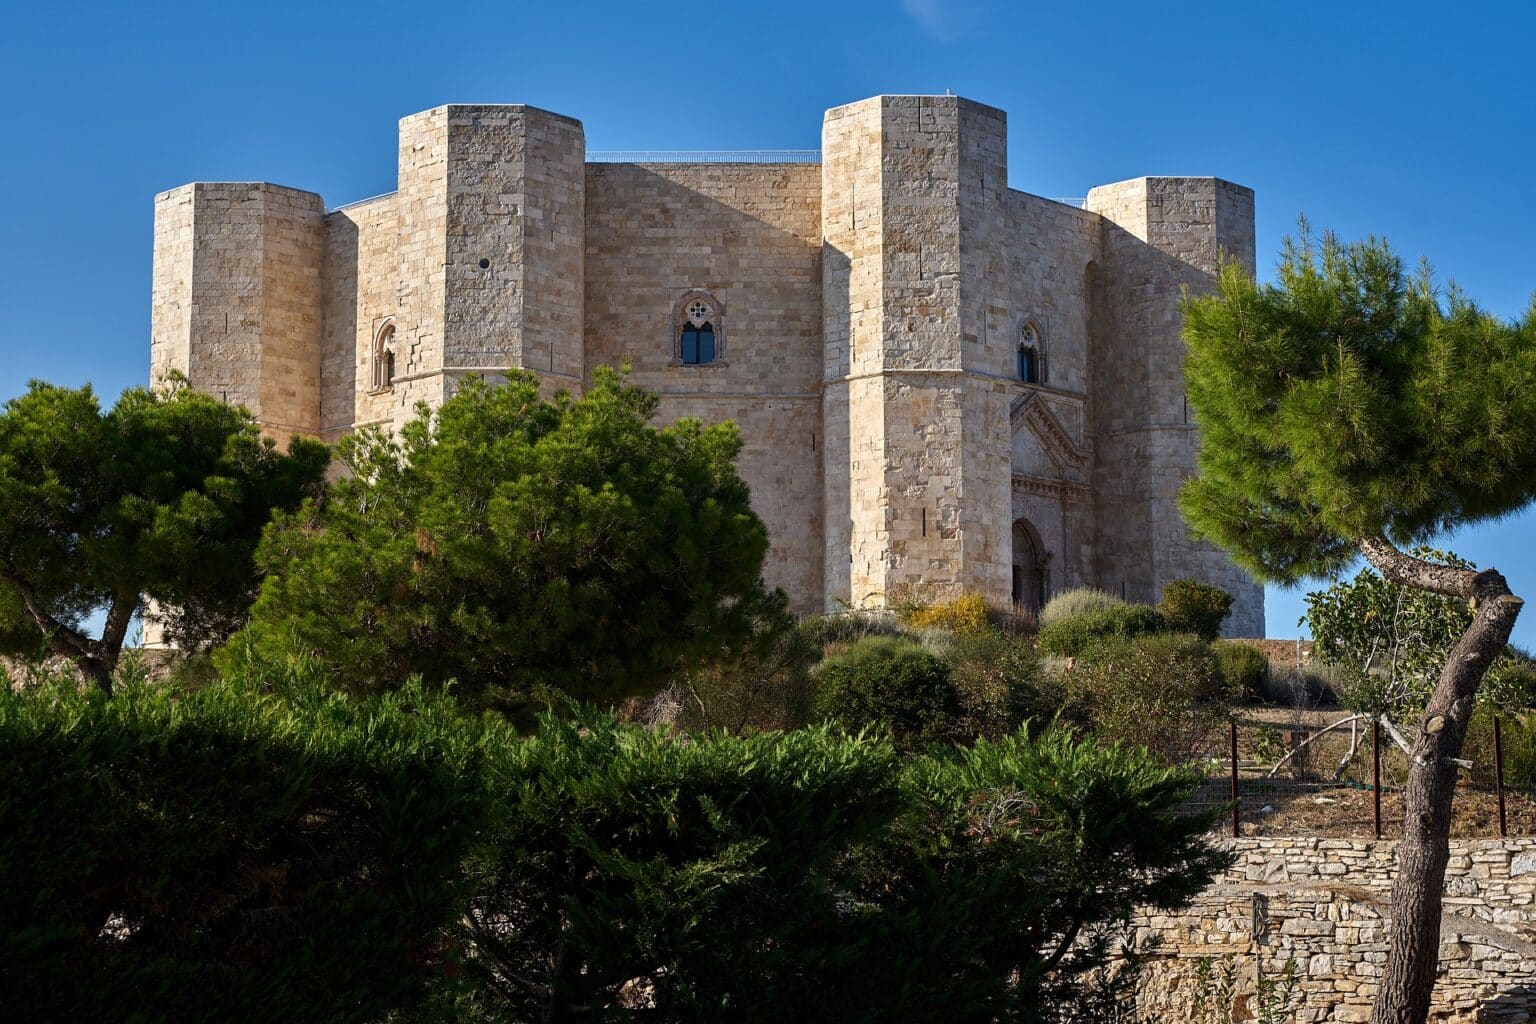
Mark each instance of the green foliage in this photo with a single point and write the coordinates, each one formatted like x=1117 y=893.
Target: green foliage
x=1389 y=639
x=692 y=871
x=231 y=854
x=1069 y=637
x=1004 y=883
x=1244 y=668
x=829 y=631
x=162 y=498
x=998 y=678
x=1163 y=691
x=1510 y=685
x=1348 y=401
x=519 y=545
x=1190 y=606
x=1216 y=995
x=766 y=685
x=1079 y=601
x=891 y=683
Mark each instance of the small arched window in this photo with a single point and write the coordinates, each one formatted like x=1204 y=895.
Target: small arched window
x=1031 y=363
x=698 y=330
x=384 y=356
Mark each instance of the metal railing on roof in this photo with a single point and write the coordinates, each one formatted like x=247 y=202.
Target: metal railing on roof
x=740 y=156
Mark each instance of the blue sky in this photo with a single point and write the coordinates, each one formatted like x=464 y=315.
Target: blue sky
x=1404 y=119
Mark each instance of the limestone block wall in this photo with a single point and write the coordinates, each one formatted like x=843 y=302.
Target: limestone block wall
x=237 y=297
x=1161 y=235
x=750 y=236
x=515 y=243
x=362 y=292
x=1322 y=904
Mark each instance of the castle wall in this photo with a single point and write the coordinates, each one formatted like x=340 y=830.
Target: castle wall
x=1161 y=235
x=872 y=310
x=237 y=303
x=362 y=288
x=1050 y=248
x=749 y=234
x=515 y=243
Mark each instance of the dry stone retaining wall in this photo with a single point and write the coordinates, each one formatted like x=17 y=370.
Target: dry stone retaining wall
x=1322 y=904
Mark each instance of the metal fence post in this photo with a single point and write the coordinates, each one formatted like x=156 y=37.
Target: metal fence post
x=1498 y=776
x=1376 y=772
x=1237 y=819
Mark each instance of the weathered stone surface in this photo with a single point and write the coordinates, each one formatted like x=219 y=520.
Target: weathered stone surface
x=1328 y=918
x=872 y=309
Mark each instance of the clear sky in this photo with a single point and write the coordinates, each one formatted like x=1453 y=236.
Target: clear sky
x=1407 y=119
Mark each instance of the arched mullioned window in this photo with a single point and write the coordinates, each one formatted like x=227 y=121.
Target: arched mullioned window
x=384 y=356
x=1031 y=355
x=698 y=330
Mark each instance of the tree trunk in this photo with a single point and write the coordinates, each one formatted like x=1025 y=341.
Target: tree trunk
x=1413 y=933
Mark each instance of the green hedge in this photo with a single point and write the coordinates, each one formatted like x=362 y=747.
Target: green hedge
x=1069 y=637
x=230 y=855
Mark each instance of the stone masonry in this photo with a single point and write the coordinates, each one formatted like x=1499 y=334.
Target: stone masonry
x=1321 y=905
x=943 y=384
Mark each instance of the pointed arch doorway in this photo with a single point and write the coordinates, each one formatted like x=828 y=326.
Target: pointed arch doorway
x=1031 y=569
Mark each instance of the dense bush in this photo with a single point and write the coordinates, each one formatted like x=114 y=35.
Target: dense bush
x=812 y=878
x=1003 y=882
x=767 y=684
x=519 y=545
x=1079 y=601
x=691 y=875
x=1244 y=668
x=999 y=681
x=892 y=683
x=1194 y=607
x=967 y=615
x=1162 y=691
x=1069 y=637
x=228 y=854
x=843 y=628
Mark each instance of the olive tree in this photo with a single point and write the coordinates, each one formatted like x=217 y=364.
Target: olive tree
x=1352 y=409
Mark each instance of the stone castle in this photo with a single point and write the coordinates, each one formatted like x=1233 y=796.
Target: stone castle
x=943 y=384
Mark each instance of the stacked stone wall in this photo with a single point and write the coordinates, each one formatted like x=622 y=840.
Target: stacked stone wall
x=1321 y=905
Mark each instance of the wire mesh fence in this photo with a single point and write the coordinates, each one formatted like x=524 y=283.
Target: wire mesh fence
x=1343 y=776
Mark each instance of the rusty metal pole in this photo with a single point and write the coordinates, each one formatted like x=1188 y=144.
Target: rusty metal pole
x=1376 y=772
x=1237 y=819
x=1498 y=775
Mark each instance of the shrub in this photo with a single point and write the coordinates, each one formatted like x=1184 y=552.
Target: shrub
x=1007 y=852
x=966 y=615
x=1194 y=607
x=1163 y=692
x=1069 y=637
x=1080 y=601
x=690 y=872
x=849 y=627
x=768 y=685
x=893 y=683
x=1244 y=668
x=999 y=680
x=228 y=854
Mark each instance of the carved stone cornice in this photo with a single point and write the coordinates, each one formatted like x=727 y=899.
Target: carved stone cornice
x=1070 y=490
x=1028 y=411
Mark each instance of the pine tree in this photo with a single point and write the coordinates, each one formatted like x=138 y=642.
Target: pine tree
x=1351 y=409
x=163 y=497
